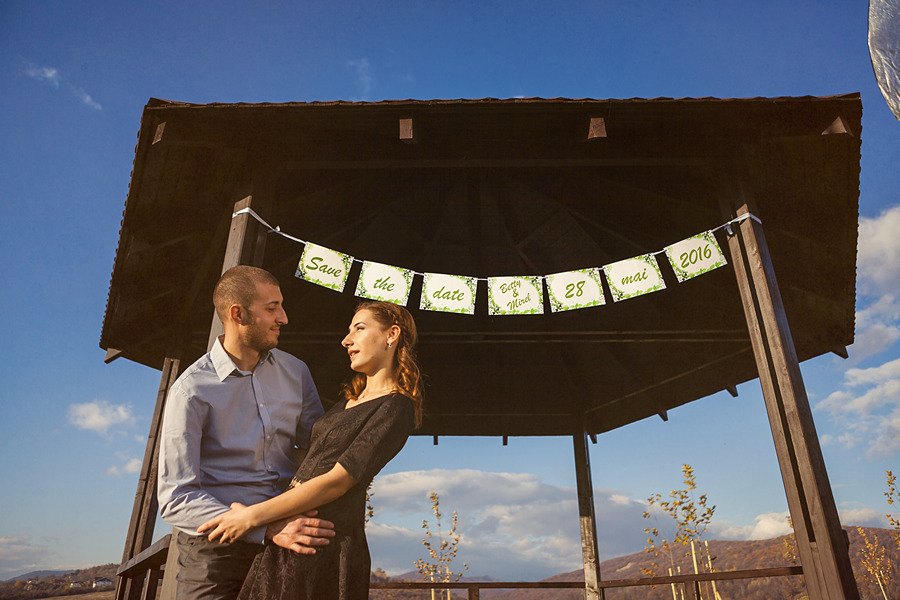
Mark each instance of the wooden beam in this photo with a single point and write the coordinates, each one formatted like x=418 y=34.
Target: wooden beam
x=407 y=132
x=821 y=541
x=586 y=515
x=597 y=128
x=839 y=125
x=111 y=355
x=841 y=351
x=492 y=163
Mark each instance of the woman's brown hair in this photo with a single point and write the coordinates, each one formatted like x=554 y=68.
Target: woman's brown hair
x=409 y=378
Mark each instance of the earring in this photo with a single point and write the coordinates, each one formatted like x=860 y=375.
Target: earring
x=390 y=345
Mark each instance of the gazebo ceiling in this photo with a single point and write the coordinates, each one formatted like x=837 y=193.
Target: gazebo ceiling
x=501 y=187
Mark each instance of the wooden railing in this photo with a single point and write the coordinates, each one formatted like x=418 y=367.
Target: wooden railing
x=690 y=583
x=147 y=565
x=150 y=562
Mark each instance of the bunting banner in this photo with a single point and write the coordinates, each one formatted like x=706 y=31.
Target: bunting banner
x=448 y=293
x=324 y=267
x=575 y=289
x=634 y=277
x=519 y=295
x=384 y=282
x=695 y=256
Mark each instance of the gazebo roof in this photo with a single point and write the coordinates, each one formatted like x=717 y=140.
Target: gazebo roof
x=501 y=187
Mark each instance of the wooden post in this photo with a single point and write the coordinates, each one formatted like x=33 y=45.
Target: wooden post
x=586 y=514
x=242 y=248
x=821 y=542
x=143 y=514
x=691 y=590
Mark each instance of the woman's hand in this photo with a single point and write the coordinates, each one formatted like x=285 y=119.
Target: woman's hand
x=230 y=526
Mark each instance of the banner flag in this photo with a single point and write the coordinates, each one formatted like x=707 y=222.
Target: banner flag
x=324 y=267
x=384 y=282
x=515 y=295
x=449 y=293
x=634 y=277
x=575 y=289
x=696 y=255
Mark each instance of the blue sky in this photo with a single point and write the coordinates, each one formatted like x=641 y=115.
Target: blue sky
x=76 y=76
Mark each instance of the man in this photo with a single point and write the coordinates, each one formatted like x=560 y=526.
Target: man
x=233 y=422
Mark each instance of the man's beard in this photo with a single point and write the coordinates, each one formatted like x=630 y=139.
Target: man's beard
x=258 y=339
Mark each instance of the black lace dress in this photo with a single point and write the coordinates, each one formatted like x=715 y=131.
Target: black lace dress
x=363 y=439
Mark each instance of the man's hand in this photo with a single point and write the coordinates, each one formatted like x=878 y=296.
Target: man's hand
x=301 y=533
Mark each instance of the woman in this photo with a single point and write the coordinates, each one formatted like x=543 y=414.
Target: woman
x=350 y=444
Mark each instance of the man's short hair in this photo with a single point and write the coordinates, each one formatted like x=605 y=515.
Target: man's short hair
x=238 y=286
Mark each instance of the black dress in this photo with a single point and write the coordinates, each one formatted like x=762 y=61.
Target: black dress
x=363 y=439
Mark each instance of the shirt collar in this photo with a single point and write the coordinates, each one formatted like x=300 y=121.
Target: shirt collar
x=223 y=364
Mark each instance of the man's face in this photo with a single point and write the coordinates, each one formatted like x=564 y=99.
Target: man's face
x=265 y=316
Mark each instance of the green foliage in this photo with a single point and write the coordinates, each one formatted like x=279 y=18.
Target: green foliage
x=692 y=516
x=893 y=496
x=790 y=550
x=441 y=550
x=874 y=561
x=370 y=510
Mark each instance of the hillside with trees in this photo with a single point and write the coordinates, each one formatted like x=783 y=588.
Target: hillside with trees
x=72 y=583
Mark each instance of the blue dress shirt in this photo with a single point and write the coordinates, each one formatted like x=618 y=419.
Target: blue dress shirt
x=228 y=434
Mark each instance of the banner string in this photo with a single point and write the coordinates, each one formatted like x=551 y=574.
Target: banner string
x=277 y=229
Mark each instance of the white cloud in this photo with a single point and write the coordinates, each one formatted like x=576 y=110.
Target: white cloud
x=131 y=465
x=364 y=76
x=46 y=74
x=765 y=526
x=879 y=252
x=867 y=407
x=866 y=517
x=513 y=526
x=19 y=555
x=99 y=416
x=51 y=76
x=86 y=99
x=878 y=278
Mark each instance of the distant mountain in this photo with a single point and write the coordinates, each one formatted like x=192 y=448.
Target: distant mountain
x=728 y=556
x=38 y=574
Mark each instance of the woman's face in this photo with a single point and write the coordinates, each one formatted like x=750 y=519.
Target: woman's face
x=367 y=343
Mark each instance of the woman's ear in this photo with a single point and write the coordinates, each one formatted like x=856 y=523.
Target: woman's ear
x=393 y=334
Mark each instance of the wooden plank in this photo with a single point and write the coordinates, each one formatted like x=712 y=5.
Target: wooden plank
x=589 y=547
x=820 y=539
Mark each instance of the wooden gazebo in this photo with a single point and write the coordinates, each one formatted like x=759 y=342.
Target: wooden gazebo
x=517 y=187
